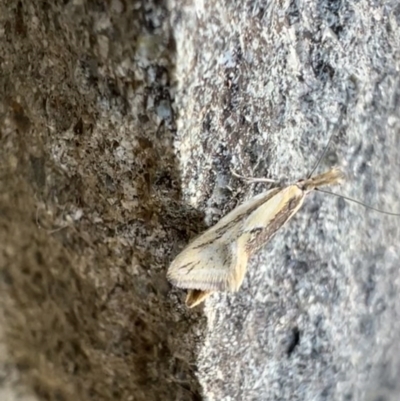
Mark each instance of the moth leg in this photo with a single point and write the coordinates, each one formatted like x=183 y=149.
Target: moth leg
x=252 y=180
x=196 y=297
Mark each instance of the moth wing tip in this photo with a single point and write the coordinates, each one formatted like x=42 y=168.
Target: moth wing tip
x=196 y=297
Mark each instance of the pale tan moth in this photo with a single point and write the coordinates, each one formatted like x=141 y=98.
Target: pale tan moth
x=217 y=259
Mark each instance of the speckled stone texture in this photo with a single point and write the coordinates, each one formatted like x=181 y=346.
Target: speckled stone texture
x=120 y=122
x=262 y=86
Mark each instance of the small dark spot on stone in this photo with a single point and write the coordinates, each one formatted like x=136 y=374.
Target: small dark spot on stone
x=21 y=120
x=144 y=143
x=326 y=391
x=143 y=118
x=341 y=204
x=78 y=127
x=348 y=397
x=109 y=182
x=292 y=13
x=39 y=258
x=23 y=366
x=293 y=341
x=37 y=278
x=59 y=396
x=196 y=396
x=207 y=122
x=299 y=266
x=140 y=324
x=367 y=326
x=6 y=277
x=379 y=306
x=20 y=28
x=38 y=171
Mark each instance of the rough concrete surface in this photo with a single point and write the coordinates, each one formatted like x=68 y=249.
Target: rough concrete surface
x=119 y=124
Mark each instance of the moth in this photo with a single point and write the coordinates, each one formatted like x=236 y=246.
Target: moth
x=217 y=259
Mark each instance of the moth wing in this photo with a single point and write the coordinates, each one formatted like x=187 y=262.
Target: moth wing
x=275 y=212
x=217 y=259
x=196 y=297
x=209 y=268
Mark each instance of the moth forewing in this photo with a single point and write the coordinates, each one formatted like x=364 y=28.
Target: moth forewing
x=217 y=259
x=263 y=222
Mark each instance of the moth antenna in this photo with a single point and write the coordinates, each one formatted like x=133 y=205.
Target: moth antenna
x=359 y=203
x=252 y=180
x=322 y=156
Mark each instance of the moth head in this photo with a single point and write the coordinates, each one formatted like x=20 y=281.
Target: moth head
x=333 y=176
